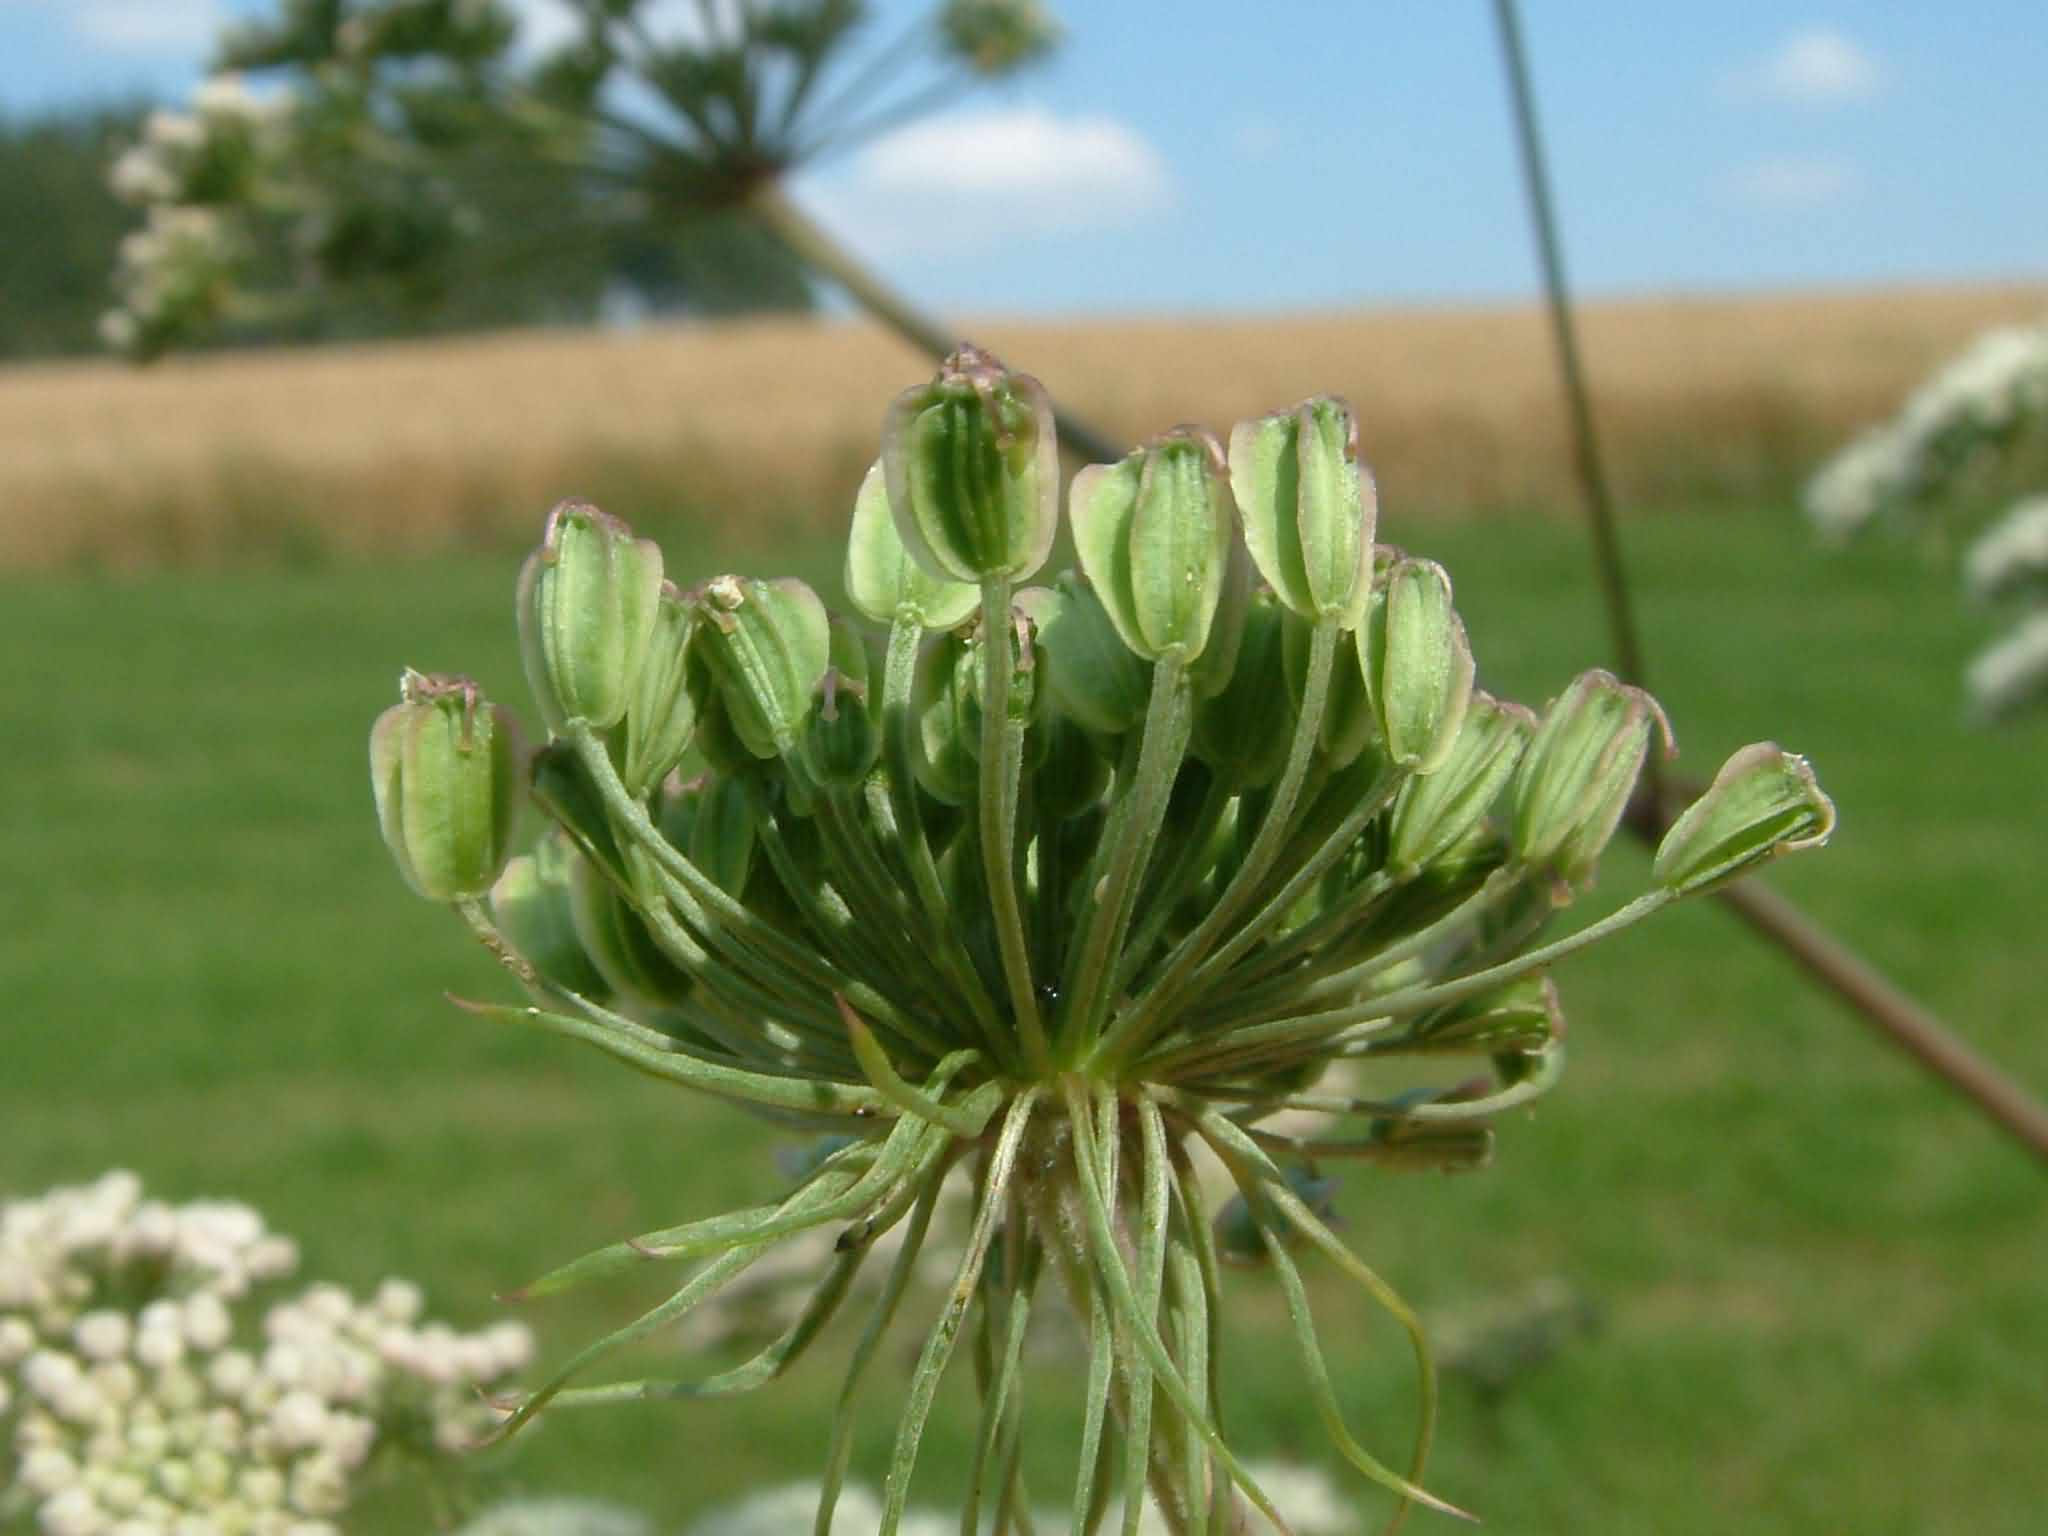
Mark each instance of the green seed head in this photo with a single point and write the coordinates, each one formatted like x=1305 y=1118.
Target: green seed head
x=1308 y=506
x=587 y=602
x=1434 y=813
x=1091 y=673
x=444 y=765
x=661 y=717
x=1153 y=863
x=765 y=645
x=971 y=469
x=532 y=904
x=1764 y=802
x=1416 y=663
x=884 y=582
x=1154 y=534
x=1575 y=780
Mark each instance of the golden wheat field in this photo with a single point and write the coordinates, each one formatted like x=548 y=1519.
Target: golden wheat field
x=420 y=445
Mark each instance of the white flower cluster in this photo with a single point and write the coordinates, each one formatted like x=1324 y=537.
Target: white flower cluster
x=173 y=263
x=2011 y=556
x=2012 y=675
x=139 y=1400
x=159 y=167
x=1303 y=1495
x=1994 y=395
x=189 y=172
x=557 y=1517
x=1971 y=404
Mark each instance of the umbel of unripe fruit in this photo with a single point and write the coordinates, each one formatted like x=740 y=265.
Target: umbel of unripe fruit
x=1058 y=886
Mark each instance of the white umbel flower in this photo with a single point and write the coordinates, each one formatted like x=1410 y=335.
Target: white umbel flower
x=2012 y=554
x=2012 y=675
x=148 y=1418
x=1995 y=388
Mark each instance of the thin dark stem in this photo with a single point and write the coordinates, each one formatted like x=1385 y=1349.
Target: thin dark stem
x=1586 y=457
x=1896 y=1016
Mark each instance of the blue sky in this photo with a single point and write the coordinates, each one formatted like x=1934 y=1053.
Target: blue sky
x=1204 y=154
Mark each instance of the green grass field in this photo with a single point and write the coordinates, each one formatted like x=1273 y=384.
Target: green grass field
x=1821 y=1275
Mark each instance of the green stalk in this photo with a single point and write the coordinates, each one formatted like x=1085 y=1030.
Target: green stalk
x=899 y=672
x=1413 y=1000
x=1130 y=1030
x=1236 y=1148
x=698 y=1288
x=693 y=1071
x=893 y=1288
x=1498 y=886
x=997 y=1402
x=1548 y=1068
x=938 y=1348
x=1002 y=759
x=1210 y=972
x=1109 y=1265
x=1161 y=897
x=770 y=1364
x=1155 y=1182
x=1159 y=757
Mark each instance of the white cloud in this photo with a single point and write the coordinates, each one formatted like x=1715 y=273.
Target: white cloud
x=1793 y=184
x=970 y=180
x=1815 y=66
x=148 y=26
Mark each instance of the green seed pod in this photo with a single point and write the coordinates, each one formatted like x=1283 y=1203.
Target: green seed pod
x=1089 y=670
x=1153 y=532
x=562 y=787
x=841 y=738
x=1575 y=779
x=1074 y=771
x=1243 y=731
x=616 y=941
x=661 y=718
x=1026 y=701
x=444 y=766
x=1308 y=507
x=1210 y=674
x=883 y=581
x=532 y=903
x=1417 y=664
x=1349 y=723
x=722 y=831
x=587 y=599
x=766 y=644
x=945 y=763
x=716 y=740
x=841 y=742
x=972 y=470
x=1522 y=1016
x=1764 y=802
x=1434 y=813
